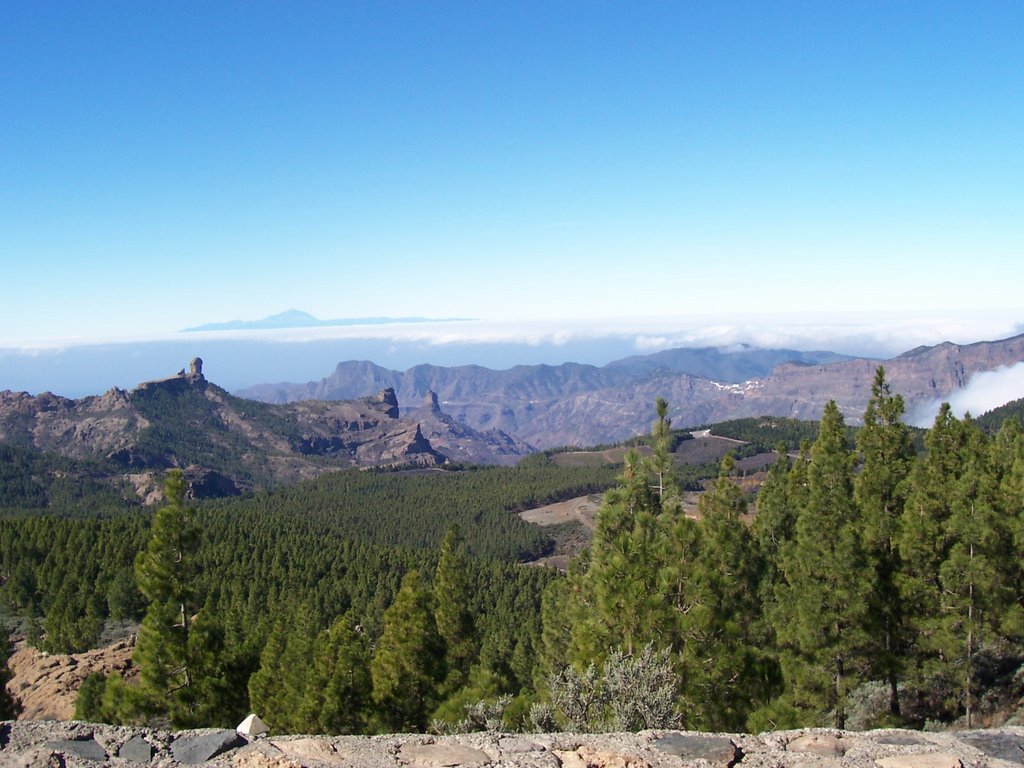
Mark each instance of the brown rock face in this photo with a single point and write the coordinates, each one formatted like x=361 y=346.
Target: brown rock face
x=47 y=684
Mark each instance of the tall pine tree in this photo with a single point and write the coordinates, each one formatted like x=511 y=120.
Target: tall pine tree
x=338 y=686
x=166 y=572
x=621 y=591
x=880 y=489
x=408 y=661
x=451 y=611
x=936 y=482
x=723 y=609
x=821 y=607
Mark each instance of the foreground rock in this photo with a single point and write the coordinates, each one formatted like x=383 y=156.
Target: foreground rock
x=84 y=745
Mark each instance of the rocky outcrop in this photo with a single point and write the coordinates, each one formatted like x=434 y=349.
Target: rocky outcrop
x=369 y=432
x=84 y=745
x=203 y=483
x=87 y=427
x=224 y=444
x=430 y=403
x=464 y=444
x=47 y=684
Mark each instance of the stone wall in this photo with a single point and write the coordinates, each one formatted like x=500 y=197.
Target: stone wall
x=51 y=744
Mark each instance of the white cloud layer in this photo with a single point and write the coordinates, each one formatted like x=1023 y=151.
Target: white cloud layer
x=876 y=335
x=984 y=391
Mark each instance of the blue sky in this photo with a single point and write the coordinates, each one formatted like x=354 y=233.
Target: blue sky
x=175 y=163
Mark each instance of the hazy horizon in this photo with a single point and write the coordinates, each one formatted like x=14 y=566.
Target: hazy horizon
x=239 y=359
x=172 y=165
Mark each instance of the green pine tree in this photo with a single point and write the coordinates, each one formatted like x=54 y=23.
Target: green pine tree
x=292 y=673
x=661 y=456
x=925 y=541
x=1008 y=454
x=880 y=490
x=338 y=685
x=265 y=692
x=89 y=701
x=775 y=522
x=620 y=603
x=166 y=571
x=975 y=575
x=820 y=608
x=408 y=661
x=451 y=612
x=723 y=608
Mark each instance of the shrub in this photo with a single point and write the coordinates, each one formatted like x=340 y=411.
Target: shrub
x=630 y=693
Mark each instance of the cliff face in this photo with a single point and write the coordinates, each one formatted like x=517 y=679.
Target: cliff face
x=546 y=406
x=81 y=745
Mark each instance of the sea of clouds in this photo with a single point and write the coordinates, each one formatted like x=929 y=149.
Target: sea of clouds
x=237 y=359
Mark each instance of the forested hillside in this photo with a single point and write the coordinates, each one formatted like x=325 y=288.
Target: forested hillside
x=877 y=584
x=42 y=481
x=337 y=546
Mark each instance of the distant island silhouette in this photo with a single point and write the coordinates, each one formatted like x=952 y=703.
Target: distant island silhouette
x=294 y=318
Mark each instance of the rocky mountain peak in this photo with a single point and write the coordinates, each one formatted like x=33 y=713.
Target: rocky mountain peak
x=180 y=382
x=430 y=402
x=387 y=398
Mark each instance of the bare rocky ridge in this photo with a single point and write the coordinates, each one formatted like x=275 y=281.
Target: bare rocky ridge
x=47 y=684
x=85 y=745
x=226 y=444
x=465 y=444
x=572 y=404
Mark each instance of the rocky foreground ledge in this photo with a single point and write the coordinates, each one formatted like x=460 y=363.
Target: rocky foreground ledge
x=52 y=744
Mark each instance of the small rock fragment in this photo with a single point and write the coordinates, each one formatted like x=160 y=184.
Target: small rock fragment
x=442 y=755
x=588 y=757
x=309 y=749
x=193 y=750
x=263 y=760
x=252 y=726
x=136 y=749
x=717 y=750
x=86 y=749
x=899 y=739
x=602 y=759
x=926 y=760
x=516 y=744
x=817 y=744
x=570 y=759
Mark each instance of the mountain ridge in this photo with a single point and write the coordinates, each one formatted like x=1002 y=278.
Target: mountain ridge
x=577 y=404
x=227 y=444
